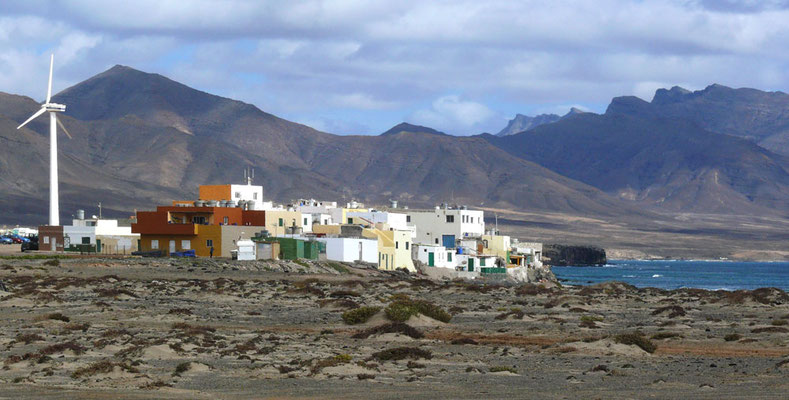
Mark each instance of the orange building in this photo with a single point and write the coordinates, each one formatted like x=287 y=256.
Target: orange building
x=184 y=227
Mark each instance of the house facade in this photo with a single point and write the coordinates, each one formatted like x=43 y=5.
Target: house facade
x=445 y=226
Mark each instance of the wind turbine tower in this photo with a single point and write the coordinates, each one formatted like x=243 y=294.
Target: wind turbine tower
x=53 y=109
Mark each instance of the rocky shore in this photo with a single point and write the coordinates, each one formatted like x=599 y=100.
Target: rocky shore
x=138 y=328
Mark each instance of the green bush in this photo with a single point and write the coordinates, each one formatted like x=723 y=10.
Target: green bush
x=403 y=308
x=637 y=339
x=732 y=337
x=359 y=315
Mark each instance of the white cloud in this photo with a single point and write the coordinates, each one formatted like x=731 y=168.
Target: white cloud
x=454 y=115
x=320 y=57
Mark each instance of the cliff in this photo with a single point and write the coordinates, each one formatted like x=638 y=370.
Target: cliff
x=563 y=255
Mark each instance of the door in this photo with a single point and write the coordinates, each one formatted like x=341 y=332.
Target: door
x=54 y=244
x=471 y=265
x=172 y=246
x=98 y=246
x=448 y=241
x=361 y=257
x=431 y=259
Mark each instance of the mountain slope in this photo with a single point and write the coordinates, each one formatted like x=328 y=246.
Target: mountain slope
x=142 y=139
x=671 y=163
x=762 y=117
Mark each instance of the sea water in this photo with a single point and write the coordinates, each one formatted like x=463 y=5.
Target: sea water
x=712 y=275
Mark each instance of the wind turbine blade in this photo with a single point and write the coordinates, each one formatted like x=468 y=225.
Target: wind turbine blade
x=32 y=117
x=49 y=88
x=60 y=124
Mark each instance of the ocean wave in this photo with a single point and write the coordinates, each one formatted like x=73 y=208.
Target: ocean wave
x=628 y=276
x=657 y=276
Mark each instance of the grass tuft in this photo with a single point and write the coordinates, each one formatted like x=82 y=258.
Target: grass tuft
x=636 y=339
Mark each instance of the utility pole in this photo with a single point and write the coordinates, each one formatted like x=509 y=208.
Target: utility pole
x=99 y=210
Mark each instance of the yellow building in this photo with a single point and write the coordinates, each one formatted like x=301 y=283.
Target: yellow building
x=394 y=250
x=278 y=221
x=496 y=245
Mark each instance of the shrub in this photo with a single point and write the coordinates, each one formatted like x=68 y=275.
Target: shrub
x=665 y=335
x=339 y=268
x=101 y=367
x=771 y=329
x=362 y=377
x=52 y=263
x=61 y=347
x=464 y=340
x=28 y=338
x=779 y=322
x=674 y=311
x=637 y=339
x=181 y=368
x=394 y=327
x=359 y=315
x=331 y=362
x=503 y=368
x=180 y=311
x=53 y=316
x=732 y=337
x=591 y=318
x=515 y=312
x=344 y=293
x=403 y=308
x=401 y=353
x=113 y=292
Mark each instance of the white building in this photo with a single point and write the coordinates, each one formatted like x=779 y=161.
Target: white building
x=444 y=226
x=395 y=221
x=351 y=249
x=435 y=256
x=246 y=250
x=105 y=234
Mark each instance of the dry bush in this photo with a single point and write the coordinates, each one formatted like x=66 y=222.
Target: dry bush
x=28 y=338
x=344 y=293
x=61 y=347
x=363 y=377
x=464 y=340
x=665 y=335
x=102 y=367
x=517 y=313
x=76 y=327
x=403 y=308
x=394 y=327
x=339 y=303
x=673 y=311
x=180 y=311
x=531 y=289
x=114 y=292
x=401 y=353
x=192 y=330
x=113 y=333
x=770 y=329
x=52 y=316
x=732 y=337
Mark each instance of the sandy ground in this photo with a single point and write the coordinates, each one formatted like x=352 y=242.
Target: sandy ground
x=140 y=328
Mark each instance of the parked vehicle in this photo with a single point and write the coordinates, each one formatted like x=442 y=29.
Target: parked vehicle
x=30 y=244
x=16 y=239
x=6 y=240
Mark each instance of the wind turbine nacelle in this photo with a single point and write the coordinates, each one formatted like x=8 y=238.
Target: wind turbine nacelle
x=55 y=107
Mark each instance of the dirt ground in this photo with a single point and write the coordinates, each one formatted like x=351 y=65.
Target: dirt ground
x=177 y=329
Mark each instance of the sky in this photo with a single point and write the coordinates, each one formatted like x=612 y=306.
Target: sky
x=360 y=67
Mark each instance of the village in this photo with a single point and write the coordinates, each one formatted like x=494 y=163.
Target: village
x=234 y=221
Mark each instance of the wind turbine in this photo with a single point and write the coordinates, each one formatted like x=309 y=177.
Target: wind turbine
x=53 y=109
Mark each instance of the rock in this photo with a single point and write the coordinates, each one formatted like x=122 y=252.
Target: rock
x=558 y=254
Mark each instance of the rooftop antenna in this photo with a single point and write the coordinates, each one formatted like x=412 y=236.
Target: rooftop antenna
x=249 y=174
x=54 y=122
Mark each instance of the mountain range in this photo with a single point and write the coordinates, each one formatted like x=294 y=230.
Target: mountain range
x=142 y=140
x=522 y=123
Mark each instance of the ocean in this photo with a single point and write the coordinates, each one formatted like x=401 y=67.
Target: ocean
x=712 y=275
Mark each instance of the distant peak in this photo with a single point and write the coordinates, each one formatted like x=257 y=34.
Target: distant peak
x=406 y=127
x=522 y=123
x=574 y=111
x=673 y=95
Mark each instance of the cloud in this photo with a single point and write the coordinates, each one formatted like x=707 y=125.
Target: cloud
x=312 y=59
x=453 y=114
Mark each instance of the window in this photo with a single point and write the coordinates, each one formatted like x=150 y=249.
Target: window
x=85 y=240
x=154 y=244
x=305 y=221
x=397 y=245
x=450 y=219
x=186 y=244
x=481 y=262
x=238 y=195
x=197 y=219
x=406 y=245
x=436 y=240
x=90 y=223
x=407 y=218
x=281 y=222
x=209 y=243
x=254 y=196
x=449 y=256
x=350 y=220
x=46 y=239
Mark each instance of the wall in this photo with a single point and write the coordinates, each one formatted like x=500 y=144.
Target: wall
x=49 y=235
x=347 y=249
x=498 y=245
x=229 y=234
x=326 y=229
x=432 y=225
x=248 y=192
x=76 y=233
x=214 y=192
x=118 y=244
x=394 y=248
x=440 y=256
x=289 y=218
